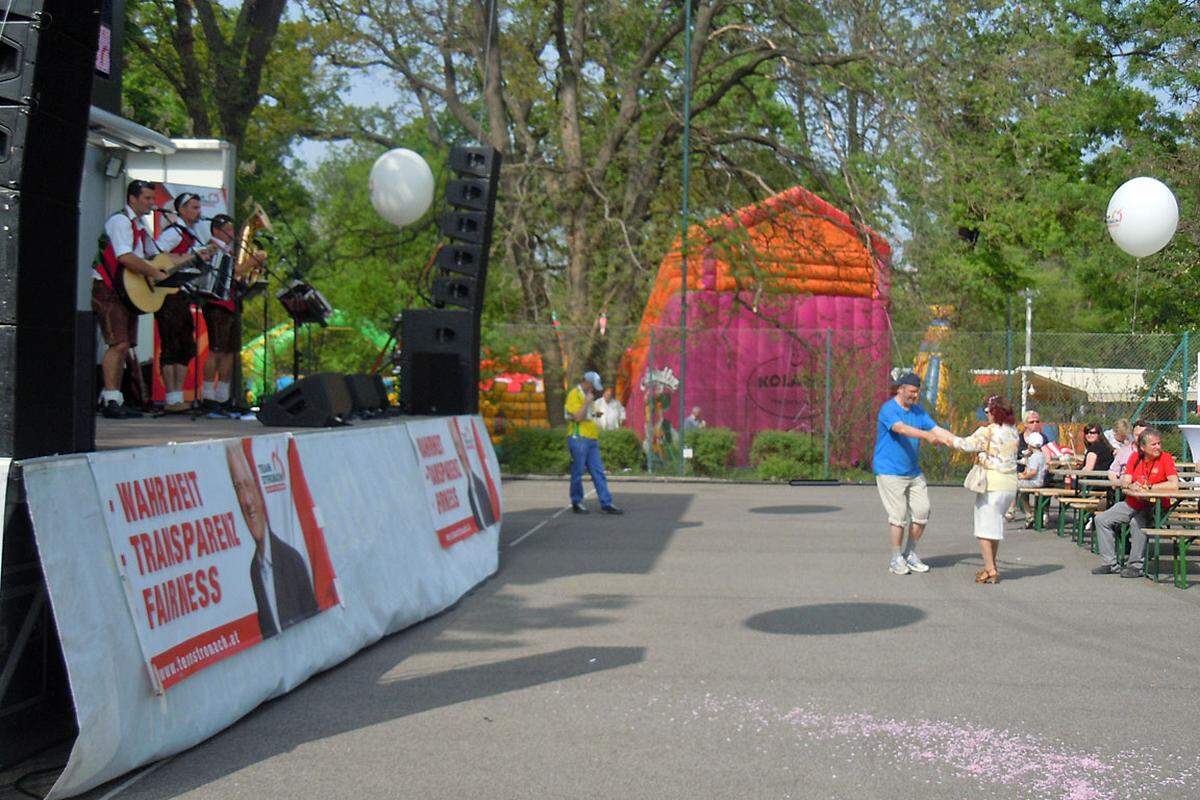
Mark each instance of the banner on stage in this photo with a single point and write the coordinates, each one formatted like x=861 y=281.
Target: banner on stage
x=219 y=545
x=459 y=487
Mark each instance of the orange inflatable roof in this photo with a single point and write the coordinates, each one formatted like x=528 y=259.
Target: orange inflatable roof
x=791 y=243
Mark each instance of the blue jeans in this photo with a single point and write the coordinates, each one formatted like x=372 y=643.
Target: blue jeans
x=585 y=452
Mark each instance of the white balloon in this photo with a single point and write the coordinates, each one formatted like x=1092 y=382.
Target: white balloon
x=401 y=186
x=1142 y=216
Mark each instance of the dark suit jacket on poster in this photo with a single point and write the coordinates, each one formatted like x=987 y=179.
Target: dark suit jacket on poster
x=294 y=597
x=481 y=501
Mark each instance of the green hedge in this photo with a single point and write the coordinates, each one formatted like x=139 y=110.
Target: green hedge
x=537 y=451
x=621 y=450
x=541 y=451
x=783 y=455
x=712 y=449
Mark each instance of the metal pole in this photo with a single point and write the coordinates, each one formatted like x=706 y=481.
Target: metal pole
x=828 y=361
x=1183 y=402
x=650 y=405
x=683 y=221
x=1028 y=295
x=1008 y=343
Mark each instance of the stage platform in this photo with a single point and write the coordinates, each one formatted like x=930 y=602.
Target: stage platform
x=117 y=434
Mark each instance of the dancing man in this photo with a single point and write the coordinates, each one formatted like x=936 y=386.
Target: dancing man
x=901 y=427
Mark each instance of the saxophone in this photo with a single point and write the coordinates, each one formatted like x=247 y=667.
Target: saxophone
x=252 y=259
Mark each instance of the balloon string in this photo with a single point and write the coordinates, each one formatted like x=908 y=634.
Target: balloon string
x=1137 y=281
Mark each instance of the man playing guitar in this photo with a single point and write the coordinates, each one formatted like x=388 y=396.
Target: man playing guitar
x=124 y=245
x=176 y=331
x=221 y=319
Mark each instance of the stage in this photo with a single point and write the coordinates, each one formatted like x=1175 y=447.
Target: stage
x=117 y=434
x=153 y=563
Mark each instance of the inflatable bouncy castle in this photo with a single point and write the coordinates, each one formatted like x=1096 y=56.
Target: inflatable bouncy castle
x=786 y=299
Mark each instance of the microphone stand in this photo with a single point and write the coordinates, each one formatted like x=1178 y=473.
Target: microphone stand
x=297 y=274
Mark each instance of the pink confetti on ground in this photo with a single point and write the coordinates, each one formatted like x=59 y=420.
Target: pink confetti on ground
x=988 y=756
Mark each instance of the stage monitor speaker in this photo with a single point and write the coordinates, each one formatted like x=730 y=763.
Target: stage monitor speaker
x=439 y=362
x=367 y=393
x=320 y=400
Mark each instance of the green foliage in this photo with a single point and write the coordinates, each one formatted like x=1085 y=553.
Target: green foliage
x=621 y=449
x=535 y=451
x=712 y=449
x=782 y=455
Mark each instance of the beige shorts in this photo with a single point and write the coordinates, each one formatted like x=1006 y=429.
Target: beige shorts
x=904 y=499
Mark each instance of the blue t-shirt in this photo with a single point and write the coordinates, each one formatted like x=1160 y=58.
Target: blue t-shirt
x=896 y=454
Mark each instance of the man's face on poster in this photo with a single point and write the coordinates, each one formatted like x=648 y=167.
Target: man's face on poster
x=459 y=446
x=249 y=497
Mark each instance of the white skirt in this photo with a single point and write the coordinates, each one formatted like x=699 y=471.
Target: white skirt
x=989 y=513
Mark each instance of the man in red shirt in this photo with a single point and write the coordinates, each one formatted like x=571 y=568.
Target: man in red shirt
x=1148 y=467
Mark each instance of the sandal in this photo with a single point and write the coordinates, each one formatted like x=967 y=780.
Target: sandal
x=983 y=576
x=1010 y=515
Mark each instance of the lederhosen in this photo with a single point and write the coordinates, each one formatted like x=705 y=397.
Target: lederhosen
x=116 y=317
x=176 y=331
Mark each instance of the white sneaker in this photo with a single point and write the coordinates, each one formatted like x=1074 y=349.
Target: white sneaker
x=915 y=564
x=899 y=566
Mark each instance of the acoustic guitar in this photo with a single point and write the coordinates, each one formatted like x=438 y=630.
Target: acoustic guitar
x=144 y=293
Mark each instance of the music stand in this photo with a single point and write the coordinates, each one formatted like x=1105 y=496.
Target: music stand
x=304 y=305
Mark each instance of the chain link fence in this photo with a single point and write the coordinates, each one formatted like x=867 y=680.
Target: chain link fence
x=823 y=388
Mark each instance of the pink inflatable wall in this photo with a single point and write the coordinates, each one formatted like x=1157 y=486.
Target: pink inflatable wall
x=751 y=371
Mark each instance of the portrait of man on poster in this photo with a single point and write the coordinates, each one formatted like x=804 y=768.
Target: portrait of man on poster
x=279 y=576
x=477 y=490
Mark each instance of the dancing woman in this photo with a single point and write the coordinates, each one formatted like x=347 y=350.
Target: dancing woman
x=996 y=443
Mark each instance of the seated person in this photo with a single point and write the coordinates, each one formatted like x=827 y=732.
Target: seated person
x=1098 y=453
x=1033 y=476
x=1125 y=452
x=1148 y=467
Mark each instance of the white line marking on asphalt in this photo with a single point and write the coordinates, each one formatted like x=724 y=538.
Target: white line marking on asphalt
x=118 y=789
x=538 y=527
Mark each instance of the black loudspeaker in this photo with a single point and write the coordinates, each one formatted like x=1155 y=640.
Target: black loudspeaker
x=439 y=362
x=320 y=400
x=368 y=396
x=47 y=349
x=461 y=265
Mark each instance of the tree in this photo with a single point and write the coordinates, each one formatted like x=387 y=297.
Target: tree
x=583 y=99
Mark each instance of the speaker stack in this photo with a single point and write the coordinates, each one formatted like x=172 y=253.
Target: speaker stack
x=439 y=355
x=47 y=56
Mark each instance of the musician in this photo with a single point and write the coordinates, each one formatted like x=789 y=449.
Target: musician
x=124 y=245
x=221 y=318
x=176 y=331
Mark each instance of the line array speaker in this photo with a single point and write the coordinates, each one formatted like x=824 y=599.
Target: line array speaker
x=461 y=265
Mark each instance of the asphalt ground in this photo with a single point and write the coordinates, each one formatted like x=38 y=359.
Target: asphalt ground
x=729 y=641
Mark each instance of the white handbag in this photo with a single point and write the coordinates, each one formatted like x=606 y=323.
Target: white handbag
x=976 y=479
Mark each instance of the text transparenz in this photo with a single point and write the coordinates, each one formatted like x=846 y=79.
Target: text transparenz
x=161 y=546
x=440 y=472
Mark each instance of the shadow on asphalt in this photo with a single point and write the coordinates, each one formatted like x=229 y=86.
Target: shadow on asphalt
x=835 y=619
x=319 y=710
x=583 y=544
x=1009 y=570
x=795 y=509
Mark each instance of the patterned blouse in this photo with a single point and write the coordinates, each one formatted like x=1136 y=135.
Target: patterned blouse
x=1000 y=459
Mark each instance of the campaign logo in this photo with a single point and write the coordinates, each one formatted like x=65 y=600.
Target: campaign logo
x=272 y=476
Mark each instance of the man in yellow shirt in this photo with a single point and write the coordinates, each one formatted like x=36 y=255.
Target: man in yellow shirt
x=582 y=441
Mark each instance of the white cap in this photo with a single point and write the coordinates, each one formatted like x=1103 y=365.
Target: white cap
x=1034 y=439
x=594 y=379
